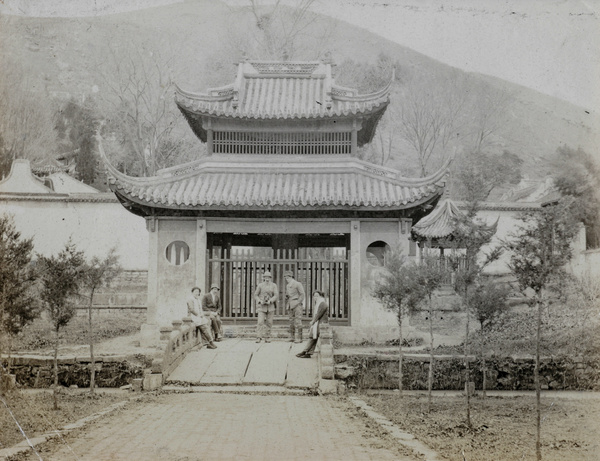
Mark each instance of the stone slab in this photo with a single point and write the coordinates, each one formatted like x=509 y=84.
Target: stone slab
x=301 y=373
x=268 y=364
x=193 y=366
x=228 y=367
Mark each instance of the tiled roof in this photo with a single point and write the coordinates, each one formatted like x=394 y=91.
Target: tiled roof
x=266 y=90
x=442 y=223
x=266 y=184
x=280 y=90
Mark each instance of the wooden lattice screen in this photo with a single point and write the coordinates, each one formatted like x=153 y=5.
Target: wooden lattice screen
x=231 y=142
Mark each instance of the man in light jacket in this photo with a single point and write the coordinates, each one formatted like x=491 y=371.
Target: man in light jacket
x=201 y=322
x=321 y=315
x=294 y=296
x=266 y=295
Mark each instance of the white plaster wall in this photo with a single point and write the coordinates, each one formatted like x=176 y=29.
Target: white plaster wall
x=175 y=282
x=372 y=313
x=507 y=225
x=94 y=227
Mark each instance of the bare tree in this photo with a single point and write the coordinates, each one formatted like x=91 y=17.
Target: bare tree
x=488 y=108
x=96 y=274
x=431 y=116
x=281 y=32
x=26 y=126
x=137 y=88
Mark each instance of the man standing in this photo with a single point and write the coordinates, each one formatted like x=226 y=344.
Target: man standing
x=211 y=304
x=266 y=295
x=294 y=295
x=200 y=320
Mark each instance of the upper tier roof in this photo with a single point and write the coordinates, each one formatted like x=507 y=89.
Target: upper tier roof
x=273 y=90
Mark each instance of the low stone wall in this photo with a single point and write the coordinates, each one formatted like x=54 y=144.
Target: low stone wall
x=508 y=373
x=38 y=372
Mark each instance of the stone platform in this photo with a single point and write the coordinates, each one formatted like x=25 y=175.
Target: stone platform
x=243 y=362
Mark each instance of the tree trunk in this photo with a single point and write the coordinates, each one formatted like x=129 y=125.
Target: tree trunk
x=1 y=367
x=536 y=375
x=483 y=365
x=91 y=340
x=54 y=393
x=400 y=351
x=467 y=366
x=430 y=375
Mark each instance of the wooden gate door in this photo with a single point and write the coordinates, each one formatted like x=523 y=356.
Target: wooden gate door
x=240 y=276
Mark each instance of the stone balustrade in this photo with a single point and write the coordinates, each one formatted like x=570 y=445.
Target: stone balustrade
x=177 y=341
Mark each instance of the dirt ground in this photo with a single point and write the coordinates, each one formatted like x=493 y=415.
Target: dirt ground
x=503 y=428
x=34 y=413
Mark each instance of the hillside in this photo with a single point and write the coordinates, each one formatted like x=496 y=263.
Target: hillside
x=63 y=57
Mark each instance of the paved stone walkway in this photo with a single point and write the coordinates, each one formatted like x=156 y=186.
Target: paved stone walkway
x=219 y=427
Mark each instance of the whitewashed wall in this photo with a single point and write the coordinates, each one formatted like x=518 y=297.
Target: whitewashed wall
x=96 y=223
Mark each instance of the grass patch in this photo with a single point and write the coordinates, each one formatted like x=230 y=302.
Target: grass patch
x=107 y=324
x=34 y=411
x=503 y=427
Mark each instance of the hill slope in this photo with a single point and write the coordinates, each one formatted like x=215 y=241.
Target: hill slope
x=63 y=57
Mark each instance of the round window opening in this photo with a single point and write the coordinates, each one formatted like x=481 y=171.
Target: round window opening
x=177 y=252
x=376 y=253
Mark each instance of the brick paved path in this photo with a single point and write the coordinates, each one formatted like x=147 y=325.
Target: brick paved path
x=190 y=427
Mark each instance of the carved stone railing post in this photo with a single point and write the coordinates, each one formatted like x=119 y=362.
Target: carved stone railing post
x=326 y=352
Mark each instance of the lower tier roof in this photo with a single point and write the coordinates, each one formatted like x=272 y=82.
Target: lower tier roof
x=275 y=183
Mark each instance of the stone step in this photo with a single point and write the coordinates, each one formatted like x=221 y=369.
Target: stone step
x=240 y=389
x=247 y=331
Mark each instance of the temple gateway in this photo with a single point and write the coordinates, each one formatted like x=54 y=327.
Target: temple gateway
x=280 y=189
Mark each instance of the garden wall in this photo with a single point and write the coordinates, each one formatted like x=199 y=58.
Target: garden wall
x=37 y=372
x=507 y=373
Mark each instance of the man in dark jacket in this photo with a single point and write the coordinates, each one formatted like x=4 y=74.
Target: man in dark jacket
x=211 y=303
x=321 y=315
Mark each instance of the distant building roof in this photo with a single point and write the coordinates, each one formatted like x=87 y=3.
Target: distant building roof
x=21 y=180
x=262 y=183
x=274 y=90
x=62 y=183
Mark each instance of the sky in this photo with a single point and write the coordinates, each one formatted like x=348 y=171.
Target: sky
x=551 y=46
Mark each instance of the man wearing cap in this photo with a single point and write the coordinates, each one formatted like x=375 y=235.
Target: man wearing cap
x=294 y=296
x=211 y=305
x=266 y=295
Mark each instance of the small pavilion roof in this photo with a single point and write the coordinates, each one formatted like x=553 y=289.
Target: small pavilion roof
x=284 y=90
x=439 y=223
x=442 y=222
x=264 y=183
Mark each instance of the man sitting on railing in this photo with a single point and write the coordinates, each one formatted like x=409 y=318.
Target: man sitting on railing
x=321 y=315
x=201 y=321
x=211 y=305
